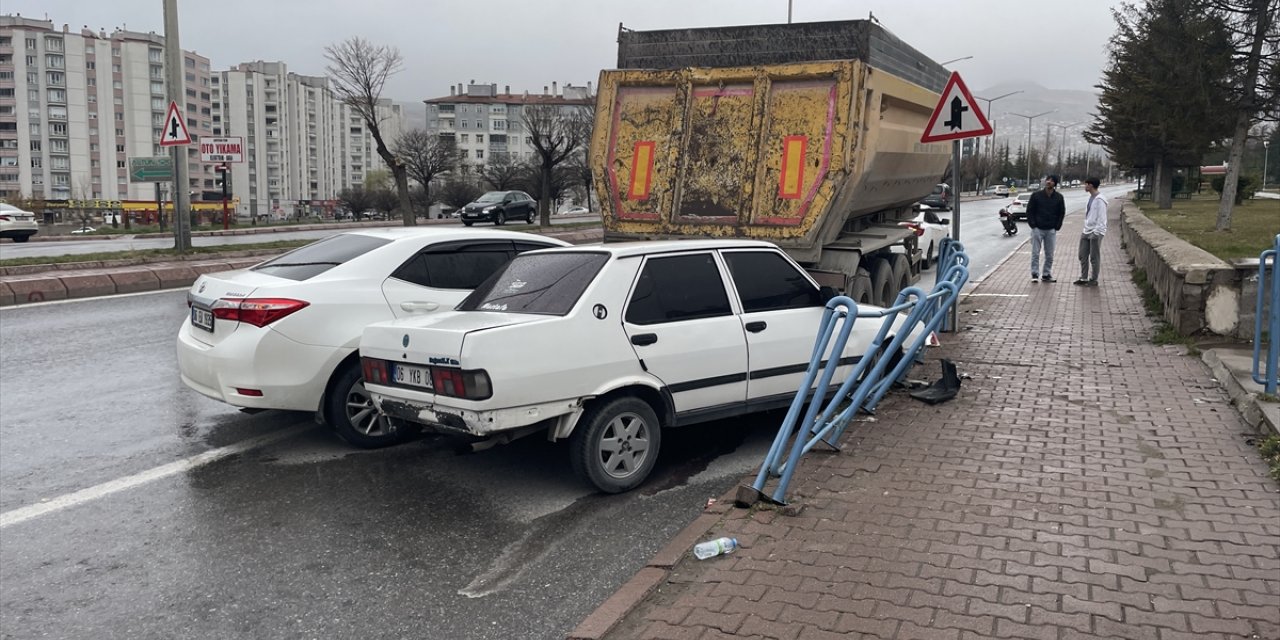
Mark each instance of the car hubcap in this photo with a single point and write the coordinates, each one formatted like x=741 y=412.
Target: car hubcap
x=364 y=418
x=624 y=445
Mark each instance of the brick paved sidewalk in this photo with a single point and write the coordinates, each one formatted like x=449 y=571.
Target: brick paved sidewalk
x=1086 y=483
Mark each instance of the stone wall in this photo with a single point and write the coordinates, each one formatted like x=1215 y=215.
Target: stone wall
x=1199 y=291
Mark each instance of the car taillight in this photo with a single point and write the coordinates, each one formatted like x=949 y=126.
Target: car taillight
x=915 y=228
x=258 y=312
x=457 y=383
x=5 y=218
x=375 y=370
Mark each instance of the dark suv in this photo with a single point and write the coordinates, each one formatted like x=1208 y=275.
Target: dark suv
x=940 y=198
x=500 y=206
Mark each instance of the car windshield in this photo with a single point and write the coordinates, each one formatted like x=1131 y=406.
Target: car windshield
x=314 y=259
x=492 y=196
x=541 y=283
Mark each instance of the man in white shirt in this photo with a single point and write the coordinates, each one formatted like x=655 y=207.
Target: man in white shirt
x=1095 y=227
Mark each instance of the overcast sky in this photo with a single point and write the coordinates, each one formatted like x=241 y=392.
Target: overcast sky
x=530 y=43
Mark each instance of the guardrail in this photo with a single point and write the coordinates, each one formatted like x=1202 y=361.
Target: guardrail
x=871 y=378
x=1267 y=264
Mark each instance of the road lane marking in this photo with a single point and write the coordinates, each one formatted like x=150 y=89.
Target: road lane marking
x=46 y=303
x=995 y=295
x=22 y=514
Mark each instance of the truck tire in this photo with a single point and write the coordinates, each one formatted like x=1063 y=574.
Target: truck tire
x=901 y=272
x=882 y=283
x=860 y=287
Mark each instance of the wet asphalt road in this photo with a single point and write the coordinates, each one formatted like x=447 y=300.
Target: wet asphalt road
x=304 y=537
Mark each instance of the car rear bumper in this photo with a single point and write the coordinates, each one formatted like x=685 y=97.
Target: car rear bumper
x=423 y=408
x=289 y=375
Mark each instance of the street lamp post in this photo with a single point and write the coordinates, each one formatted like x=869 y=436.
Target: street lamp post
x=992 y=146
x=1028 y=154
x=1063 y=146
x=1266 y=151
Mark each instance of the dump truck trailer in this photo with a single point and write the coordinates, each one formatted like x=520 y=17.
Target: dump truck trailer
x=806 y=135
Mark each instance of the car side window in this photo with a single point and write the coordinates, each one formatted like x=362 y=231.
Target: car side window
x=932 y=218
x=678 y=288
x=766 y=281
x=456 y=267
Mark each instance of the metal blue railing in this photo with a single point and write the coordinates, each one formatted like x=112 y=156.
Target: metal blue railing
x=873 y=375
x=1267 y=264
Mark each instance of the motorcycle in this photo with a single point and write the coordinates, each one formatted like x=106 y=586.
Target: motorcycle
x=1006 y=219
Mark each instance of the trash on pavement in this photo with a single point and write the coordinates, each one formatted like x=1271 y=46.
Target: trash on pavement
x=944 y=389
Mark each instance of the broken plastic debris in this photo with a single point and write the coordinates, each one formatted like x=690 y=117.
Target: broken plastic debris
x=965 y=376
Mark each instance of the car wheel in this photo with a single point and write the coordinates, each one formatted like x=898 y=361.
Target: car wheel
x=501 y=218
x=21 y=238
x=616 y=444
x=467 y=223
x=349 y=410
x=528 y=218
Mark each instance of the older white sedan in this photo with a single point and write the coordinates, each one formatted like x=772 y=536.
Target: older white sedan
x=282 y=334
x=606 y=345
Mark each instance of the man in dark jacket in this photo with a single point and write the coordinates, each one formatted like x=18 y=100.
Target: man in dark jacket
x=1045 y=212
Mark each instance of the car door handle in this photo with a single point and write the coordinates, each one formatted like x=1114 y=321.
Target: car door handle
x=419 y=306
x=756 y=327
x=643 y=339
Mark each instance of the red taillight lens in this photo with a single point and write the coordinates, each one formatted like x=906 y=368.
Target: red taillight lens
x=258 y=312
x=375 y=370
x=5 y=218
x=469 y=385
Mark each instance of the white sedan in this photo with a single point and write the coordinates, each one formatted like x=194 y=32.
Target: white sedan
x=17 y=224
x=931 y=230
x=283 y=334
x=605 y=346
x=1018 y=207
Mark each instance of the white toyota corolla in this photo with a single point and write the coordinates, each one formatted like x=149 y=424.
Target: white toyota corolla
x=283 y=334
x=606 y=345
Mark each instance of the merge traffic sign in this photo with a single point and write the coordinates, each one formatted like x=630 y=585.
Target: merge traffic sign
x=957 y=115
x=175 y=128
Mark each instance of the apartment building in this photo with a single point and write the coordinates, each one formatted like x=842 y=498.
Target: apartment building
x=74 y=106
x=302 y=145
x=484 y=123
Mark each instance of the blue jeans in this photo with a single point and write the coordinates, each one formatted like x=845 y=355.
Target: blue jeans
x=1046 y=238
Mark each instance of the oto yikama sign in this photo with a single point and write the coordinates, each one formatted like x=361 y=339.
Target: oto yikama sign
x=222 y=149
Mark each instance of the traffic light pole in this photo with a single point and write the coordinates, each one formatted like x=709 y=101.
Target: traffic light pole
x=226 y=224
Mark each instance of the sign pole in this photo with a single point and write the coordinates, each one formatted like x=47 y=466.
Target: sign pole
x=159 y=208
x=174 y=69
x=953 y=322
x=225 y=218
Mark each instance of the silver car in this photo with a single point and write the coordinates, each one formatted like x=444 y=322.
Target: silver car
x=16 y=223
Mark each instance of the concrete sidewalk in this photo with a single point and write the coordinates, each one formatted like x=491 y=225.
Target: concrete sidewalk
x=1085 y=484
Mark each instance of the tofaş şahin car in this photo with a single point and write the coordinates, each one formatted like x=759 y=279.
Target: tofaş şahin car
x=499 y=207
x=606 y=346
x=282 y=334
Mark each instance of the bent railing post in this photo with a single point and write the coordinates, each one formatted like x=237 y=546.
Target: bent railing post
x=1268 y=376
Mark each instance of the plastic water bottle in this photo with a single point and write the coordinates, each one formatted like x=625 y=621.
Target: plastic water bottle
x=716 y=547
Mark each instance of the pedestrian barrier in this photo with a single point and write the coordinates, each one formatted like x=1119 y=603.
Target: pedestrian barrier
x=949 y=247
x=871 y=378
x=1271 y=317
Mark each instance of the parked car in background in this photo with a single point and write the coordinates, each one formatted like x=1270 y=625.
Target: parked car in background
x=1017 y=208
x=17 y=224
x=282 y=334
x=931 y=230
x=663 y=334
x=500 y=206
x=575 y=211
x=83 y=230
x=939 y=198
x=998 y=190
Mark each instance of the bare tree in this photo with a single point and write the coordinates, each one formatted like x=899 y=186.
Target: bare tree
x=357 y=200
x=557 y=131
x=502 y=172
x=359 y=70
x=426 y=157
x=1256 y=33
x=458 y=192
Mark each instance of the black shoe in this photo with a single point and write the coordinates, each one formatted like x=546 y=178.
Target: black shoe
x=1048 y=279
x=1035 y=278
x=1080 y=282
x=1091 y=283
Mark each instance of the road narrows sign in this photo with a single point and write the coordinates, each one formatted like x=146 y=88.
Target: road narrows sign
x=175 y=128
x=957 y=115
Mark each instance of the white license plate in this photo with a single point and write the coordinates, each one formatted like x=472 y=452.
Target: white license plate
x=202 y=318
x=411 y=375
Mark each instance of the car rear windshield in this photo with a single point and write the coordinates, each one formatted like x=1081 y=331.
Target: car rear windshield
x=316 y=258
x=549 y=284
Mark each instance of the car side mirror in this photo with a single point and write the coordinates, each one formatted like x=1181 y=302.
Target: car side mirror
x=827 y=293
x=944 y=220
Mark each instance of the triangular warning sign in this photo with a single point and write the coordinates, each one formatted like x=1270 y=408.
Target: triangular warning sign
x=175 y=128
x=956 y=116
